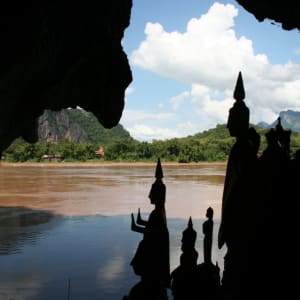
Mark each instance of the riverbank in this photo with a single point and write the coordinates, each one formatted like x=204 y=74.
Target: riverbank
x=106 y=164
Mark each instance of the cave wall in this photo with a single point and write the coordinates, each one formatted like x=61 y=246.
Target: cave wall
x=58 y=54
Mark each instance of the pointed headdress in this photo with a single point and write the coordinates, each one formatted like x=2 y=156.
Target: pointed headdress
x=239 y=91
x=238 y=119
x=158 y=172
x=189 y=235
x=158 y=189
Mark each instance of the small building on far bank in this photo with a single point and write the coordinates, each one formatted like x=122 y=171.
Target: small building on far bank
x=52 y=157
x=100 y=151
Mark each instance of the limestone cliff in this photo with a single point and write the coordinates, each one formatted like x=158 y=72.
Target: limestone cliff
x=78 y=126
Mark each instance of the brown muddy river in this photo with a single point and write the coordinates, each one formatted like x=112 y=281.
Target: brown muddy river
x=70 y=226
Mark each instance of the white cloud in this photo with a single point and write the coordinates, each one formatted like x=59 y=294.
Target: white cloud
x=130 y=115
x=186 y=128
x=129 y=90
x=176 y=101
x=149 y=133
x=208 y=56
x=203 y=54
x=297 y=51
x=145 y=132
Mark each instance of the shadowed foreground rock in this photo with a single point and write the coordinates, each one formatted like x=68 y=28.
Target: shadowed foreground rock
x=58 y=54
x=285 y=12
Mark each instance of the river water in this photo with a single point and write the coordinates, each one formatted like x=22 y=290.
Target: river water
x=65 y=231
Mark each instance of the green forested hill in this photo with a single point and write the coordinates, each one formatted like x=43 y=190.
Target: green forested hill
x=95 y=131
x=210 y=145
x=78 y=126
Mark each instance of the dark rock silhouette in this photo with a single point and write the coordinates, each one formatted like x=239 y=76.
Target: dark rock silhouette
x=69 y=54
x=284 y=12
x=151 y=261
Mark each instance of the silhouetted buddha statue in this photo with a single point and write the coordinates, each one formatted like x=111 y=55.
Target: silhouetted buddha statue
x=184 y=283
x=278 y=189
x=272 y=164
x=151 y=260
x=239 y=190
x=189 y=236
x=284 y=138
x=208 y=274
x=294 y=182
x=274 y=168
x=207 y=229
x=240 y=168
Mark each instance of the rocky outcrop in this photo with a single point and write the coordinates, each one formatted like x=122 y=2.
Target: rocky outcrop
x=284 y=12
x=78 y=126
x=59 y=54
x=59 y=126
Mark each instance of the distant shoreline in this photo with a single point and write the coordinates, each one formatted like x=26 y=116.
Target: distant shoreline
x=106 y=164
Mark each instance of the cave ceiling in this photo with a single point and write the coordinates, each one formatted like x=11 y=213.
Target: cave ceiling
x=284 y=12
x=59 y=54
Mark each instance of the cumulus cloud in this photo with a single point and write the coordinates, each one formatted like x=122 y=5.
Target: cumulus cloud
x=128 y=92
x=208 y=56
x=130 y=116
x=146 y=132
x=176 y=101
x=297 y=51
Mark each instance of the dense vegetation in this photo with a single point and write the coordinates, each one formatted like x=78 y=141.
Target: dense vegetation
x=210 y=145
x=96 y=133
x=77 y=125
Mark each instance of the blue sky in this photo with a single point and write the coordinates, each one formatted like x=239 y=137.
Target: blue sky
x=185 y=56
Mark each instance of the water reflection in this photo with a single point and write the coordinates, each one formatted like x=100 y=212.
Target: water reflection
x=19 y=225
x=21 y=287
x=96 y=263
x=108 y=274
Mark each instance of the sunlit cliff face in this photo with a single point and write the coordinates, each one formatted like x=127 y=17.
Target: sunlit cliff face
x=66 y=56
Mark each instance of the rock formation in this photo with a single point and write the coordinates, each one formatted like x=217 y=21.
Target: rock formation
x=58 y=54
x=284 y=12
